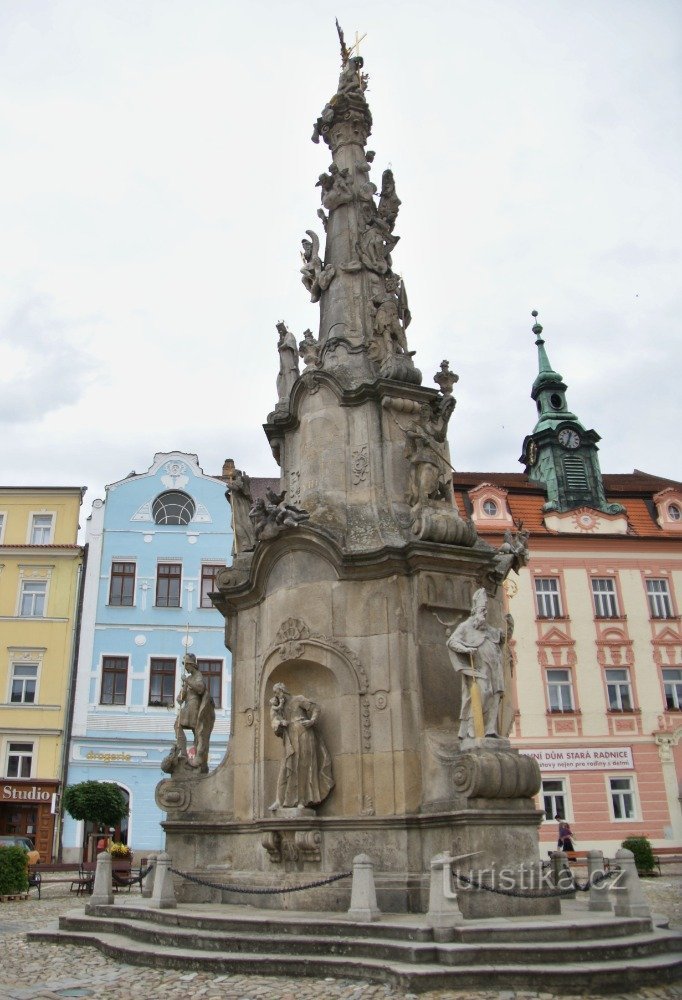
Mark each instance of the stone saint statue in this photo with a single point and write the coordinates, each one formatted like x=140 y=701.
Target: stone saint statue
x=305 y=775
x=239 y=496
x=476 y=652
x=197 y=713
x=288 y=362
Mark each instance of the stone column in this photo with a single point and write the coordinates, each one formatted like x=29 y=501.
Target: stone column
x=163 y=895
x=102 y=893
x=363 y=897
x=599 y=896
x=630 y=898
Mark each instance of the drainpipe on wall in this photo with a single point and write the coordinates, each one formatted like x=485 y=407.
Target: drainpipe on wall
x=68 y=722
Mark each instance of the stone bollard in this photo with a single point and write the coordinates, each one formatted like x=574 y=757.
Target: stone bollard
x=599 y=896
x=363 y=896
x=443 y=910
x=147 y=887
x=102 y=892
x=561 y=874
x=163 y=894
x=630 y=898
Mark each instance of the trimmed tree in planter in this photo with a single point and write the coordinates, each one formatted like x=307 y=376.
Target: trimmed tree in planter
x=643 y=852
x=13 y=871
x=97 y=802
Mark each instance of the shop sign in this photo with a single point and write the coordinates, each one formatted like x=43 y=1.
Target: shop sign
x=107 y=757
x=10 y=793
x=583 y=758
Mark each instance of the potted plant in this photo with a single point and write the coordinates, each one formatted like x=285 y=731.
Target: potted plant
x=121 y=856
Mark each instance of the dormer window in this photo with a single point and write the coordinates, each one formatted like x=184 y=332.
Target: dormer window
x=490 y=508
x=669 y=508
x=674 y=512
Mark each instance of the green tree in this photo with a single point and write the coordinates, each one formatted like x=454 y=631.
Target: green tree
x=99 y=802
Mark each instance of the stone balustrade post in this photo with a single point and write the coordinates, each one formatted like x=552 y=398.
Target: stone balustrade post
x=363 y=897
x=443 y=908
x=630 y=898
x=599 y=901
x=561 y=873
x=102 y=892
x=163 y=893
x=147 y=887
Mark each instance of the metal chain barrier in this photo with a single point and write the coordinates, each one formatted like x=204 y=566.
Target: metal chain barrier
x=538 y=893
x=118 y=880
x=259 y=892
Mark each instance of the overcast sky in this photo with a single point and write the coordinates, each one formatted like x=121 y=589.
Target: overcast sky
x=158 y=175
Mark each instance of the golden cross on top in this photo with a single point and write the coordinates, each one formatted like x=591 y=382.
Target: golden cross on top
x=356 y=45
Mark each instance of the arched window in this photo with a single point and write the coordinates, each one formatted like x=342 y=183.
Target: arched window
x=173 y=507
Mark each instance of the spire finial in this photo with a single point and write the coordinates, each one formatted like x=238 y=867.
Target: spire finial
x=537 y=329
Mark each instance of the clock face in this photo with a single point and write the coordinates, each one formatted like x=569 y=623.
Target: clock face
x=569 y=438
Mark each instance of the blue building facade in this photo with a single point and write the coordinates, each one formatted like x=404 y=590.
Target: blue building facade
x=155 y=545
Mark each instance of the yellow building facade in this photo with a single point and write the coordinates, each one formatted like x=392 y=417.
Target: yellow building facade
x=40 y=578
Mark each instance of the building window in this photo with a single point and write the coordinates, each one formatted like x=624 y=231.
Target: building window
x=168 y=580
x=548 y=597
x=213 y=674
x=618 y=689
x=674 y=513
x=658 y=593
x=122 y=584
x=208 y=584
x=114 y=680
x=490 y=508
x=24 y=683
x=2 y=525
x=41 y=529
x=622 y=798
x=161 y=681
x=554 y=798
x=560 y=690
x=19 y=760
x=173 y=507
x=32 y=600
x=604 y=595
x=672 y=687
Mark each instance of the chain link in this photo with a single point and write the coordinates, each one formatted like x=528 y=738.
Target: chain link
x=259 y=892
x=538 y=893
x=119 y=881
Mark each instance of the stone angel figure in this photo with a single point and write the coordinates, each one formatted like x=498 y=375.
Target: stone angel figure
x=314 y=275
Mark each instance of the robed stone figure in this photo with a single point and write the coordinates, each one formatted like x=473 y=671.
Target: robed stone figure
x=197 y=713
x=305 y=774
x=475 y=650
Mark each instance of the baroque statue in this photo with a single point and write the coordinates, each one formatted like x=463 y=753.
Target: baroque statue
x=512 y=554
x=288 y=362
x=309 y=350
x=477 y=655
x=389 y=202
x=196 y=713
x=314 y=275
x=430 y=477
x=336 y=187
x=239 y=496
x=305 y=774
x=270 y=516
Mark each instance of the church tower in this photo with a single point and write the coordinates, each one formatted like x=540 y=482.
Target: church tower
x=560 y=453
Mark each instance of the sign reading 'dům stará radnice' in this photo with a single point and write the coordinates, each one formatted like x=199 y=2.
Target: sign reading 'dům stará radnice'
x=582 y=758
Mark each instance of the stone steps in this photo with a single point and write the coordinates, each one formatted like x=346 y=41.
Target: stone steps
x=583 y=962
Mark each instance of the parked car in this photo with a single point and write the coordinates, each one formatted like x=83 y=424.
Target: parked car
x=25 y=842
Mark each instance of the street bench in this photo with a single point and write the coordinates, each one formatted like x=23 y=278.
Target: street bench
x=78 y=876
x=666 y=855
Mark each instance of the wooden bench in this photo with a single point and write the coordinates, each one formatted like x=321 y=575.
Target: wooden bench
x=79 y=876
x=666 y=855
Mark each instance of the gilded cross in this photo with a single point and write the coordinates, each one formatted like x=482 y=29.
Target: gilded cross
x=356 y=46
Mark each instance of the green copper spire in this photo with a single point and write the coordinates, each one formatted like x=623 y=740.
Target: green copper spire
x=560 y=453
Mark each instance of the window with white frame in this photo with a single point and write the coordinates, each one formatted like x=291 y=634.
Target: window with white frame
x=548 y=597
x=209 y=572
x=213 y=675
x=490 y=508
x=2 y=524
x=114 y=680
x=672 y=687
x=559 y=690
x=622 y=798
x=619 y=689
x=604 y=596
x=24 y=683
x=41 y=529
x=660 y=605
x=19 y=760
x=32 y=598
x=554 y=798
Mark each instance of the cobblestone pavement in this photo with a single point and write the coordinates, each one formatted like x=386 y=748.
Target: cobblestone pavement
x=39 y=971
